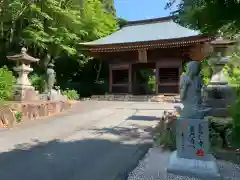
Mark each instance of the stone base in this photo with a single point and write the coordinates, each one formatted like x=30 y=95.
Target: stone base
x=54 y=96
x=206 y=169
x=25 y=93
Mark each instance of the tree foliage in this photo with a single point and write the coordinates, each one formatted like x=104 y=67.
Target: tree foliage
x=52 y=29
x=7 y=81
x=109 y=6
x=209 y=16
x=52 y=26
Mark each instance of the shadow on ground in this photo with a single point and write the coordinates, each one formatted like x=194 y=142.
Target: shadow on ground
x=143 y=118
x=89 y=159
x=127 y=133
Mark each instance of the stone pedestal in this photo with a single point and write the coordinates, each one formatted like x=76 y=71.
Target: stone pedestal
x=23 y=93
x=205 y=170
x=192 y=157
x=53 y=95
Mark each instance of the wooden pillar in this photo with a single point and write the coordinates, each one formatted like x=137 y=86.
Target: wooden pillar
x=130 y=78
x=110 y=78
x=180 y=74
x=157 y=76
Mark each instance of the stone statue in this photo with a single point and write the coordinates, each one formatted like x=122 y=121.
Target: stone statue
x=51 y=77
x=192 y=157
x=190 y=92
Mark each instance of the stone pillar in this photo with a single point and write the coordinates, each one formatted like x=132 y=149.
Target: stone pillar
x=192 y=157
x=22 y=79
x=23 y=90
x=218 y=93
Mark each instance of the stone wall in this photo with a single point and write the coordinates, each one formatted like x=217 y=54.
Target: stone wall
x=31 y=110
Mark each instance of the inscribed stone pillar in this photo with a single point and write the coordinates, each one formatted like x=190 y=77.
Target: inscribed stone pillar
x=192 y=157
x=192 y=138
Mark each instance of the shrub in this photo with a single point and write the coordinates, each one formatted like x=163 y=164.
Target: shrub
x=71 y=94
x=166 y=131
x=18 y=116
x=235 y=114
x=38 y=82
x=233 y=74
x=206 y=71
x=7 y=82
x=152 y=83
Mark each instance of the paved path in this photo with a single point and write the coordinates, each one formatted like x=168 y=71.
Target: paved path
x=94 y=141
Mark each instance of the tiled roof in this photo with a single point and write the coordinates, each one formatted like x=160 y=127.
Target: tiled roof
x=146 y=30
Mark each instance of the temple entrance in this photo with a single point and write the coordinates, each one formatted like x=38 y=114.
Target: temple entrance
x=169 y=80
x=120 y=81
x=143 y=78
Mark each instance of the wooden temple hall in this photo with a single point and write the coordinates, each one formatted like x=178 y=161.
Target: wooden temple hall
x=147 y=56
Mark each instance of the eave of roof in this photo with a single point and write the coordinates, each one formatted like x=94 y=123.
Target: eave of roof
x=150 y=45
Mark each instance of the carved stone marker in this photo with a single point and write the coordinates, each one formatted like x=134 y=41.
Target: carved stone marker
x=23 y=89
x=192 y=138
x=192 y=157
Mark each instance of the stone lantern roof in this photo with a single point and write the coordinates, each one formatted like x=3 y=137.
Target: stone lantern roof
x=23 y=56
x=221 y=42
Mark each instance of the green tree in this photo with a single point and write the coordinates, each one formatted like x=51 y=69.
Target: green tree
x=122 y=22
x=209 y=16
x=109 y=6
x=53 y=28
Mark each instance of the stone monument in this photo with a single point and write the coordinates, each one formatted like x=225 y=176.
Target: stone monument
x=23 y=91
x=218 y=93
x=51 y=79
x=51 y=93
x=192 y=157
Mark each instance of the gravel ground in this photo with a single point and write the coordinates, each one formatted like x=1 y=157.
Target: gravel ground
x=152 y=167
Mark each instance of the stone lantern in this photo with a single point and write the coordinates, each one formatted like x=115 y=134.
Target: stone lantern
x=218 y=93
x=23 y=89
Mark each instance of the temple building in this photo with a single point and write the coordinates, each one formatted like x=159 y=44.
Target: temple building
x=153 y=48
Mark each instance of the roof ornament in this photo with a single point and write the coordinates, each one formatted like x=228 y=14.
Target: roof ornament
x=220 y=41
x=23 y=50
x=220 y=35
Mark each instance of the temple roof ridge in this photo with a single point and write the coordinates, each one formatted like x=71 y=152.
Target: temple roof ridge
x=149 y=21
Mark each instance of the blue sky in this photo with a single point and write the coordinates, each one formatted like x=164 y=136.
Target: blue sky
x=141 y=9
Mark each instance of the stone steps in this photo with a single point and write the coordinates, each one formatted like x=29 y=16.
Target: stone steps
x=137 y=98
